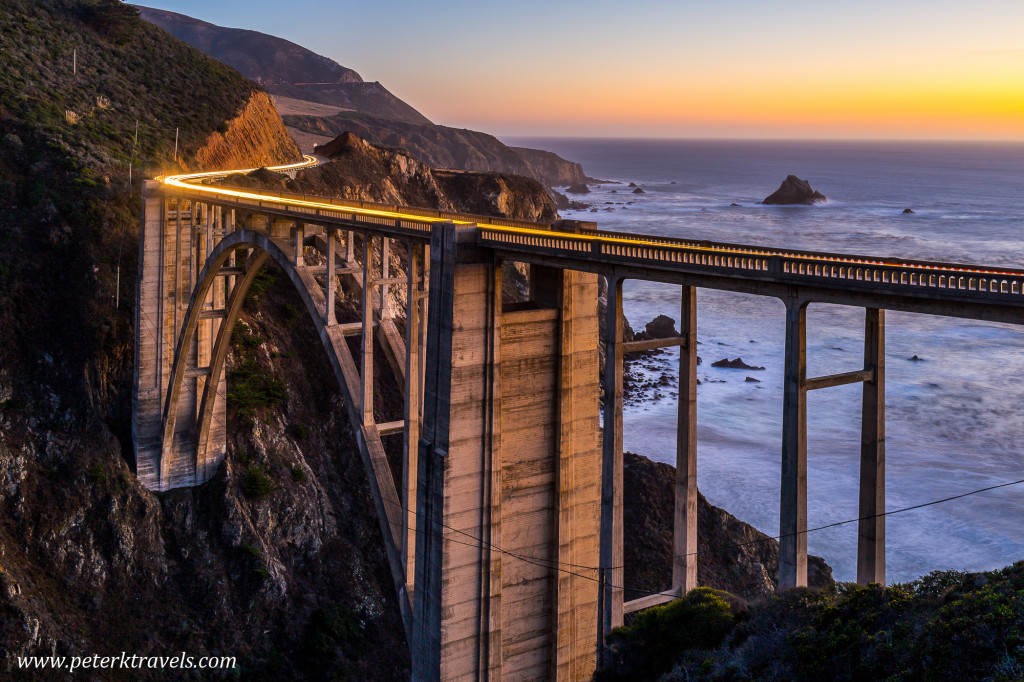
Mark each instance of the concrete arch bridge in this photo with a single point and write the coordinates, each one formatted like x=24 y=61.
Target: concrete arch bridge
x=504 y=532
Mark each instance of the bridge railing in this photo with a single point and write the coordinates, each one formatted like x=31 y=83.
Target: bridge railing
x=795 y=266
x=798 y=267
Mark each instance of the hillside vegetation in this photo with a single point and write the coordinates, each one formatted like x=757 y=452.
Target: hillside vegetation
x=284 y=68
x=946 y=625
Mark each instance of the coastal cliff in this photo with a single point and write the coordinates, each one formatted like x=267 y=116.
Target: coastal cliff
x=443 y=147
x=255 y=137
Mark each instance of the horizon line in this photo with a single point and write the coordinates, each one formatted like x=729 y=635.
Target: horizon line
x=667 y=138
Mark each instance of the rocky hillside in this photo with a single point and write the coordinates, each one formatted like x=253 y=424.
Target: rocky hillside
x=255 y=136
x=283 y=67
x=731 y=555
x=444 y=147
x=364 y=171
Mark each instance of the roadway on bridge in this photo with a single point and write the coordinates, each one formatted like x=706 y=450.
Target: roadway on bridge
x=192 y=181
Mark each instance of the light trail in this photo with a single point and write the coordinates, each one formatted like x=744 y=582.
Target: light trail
x=186 y=180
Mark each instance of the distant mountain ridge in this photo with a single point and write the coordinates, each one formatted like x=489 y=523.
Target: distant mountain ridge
x=284 y=68
x=288 y=70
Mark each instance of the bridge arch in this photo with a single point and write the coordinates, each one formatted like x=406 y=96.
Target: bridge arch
x=264 y=248
x=182 y=347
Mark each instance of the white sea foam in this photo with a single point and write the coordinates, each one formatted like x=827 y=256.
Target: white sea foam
x=953 y=420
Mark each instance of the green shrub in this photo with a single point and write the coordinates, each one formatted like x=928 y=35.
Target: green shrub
x=250 y=387
x=249 y=550
x=660 y=635
x=256 y=484
x=243 y=337
x=331 y=628
x=298 y=473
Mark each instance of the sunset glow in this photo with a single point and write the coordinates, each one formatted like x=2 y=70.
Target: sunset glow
x=905 y=70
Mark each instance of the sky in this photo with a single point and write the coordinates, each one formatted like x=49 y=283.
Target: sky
x=873 y=69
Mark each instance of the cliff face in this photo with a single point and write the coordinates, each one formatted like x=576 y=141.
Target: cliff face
x=444 y=147
x=255 y=137
x=550 y=167
x=732 y=555
x=360 y=170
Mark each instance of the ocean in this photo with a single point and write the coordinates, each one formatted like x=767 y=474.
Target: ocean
x=954 y=419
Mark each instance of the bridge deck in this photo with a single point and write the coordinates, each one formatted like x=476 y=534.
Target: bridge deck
x=955 y=289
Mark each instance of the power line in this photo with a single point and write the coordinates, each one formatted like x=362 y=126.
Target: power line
x=559 y=566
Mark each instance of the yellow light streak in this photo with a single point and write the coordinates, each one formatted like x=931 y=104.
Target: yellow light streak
x=183 y=181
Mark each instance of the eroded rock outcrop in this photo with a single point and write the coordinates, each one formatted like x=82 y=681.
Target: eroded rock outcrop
x=794 y=191
x=255 y=137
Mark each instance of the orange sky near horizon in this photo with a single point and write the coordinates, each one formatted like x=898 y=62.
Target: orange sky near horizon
x=881 y=69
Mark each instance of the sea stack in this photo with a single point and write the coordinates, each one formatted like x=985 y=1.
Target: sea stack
x=794 y=191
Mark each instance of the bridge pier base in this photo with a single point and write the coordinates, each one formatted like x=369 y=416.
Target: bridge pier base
x=509 y=476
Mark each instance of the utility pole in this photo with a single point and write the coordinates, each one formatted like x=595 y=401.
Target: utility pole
x=74 y=62
x=135 y=143
x=175 y=145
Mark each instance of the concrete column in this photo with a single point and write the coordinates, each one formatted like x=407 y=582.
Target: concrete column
x=611 y=554
x=793 y=503
x=451 y=452
x=871 y=532
x=578 y=480
x=350 y=248
x=412 y=407
x=684 y=542
x=366 y=403
x=424 y=316
x=147 y=398
x=329 y=321
x=385 y=271
x=300 y=238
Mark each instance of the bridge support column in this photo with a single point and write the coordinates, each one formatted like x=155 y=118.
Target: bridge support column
x=871 y=533
x=414 y=330
x=684 y=545
x=508 y=476
x=611 y=552
x=793 y=503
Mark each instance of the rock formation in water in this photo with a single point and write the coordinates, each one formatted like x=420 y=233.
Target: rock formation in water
x=794 y=191
x=733 y=364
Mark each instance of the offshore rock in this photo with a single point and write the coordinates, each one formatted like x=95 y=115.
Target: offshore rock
x=661 y=327
x=794 y=191
x=578 y=188
x=734 y=364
